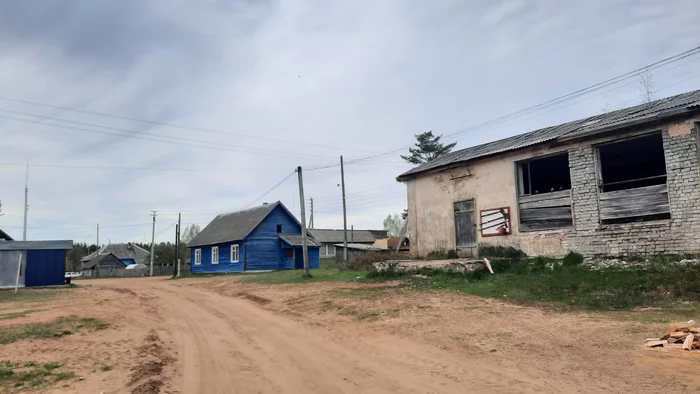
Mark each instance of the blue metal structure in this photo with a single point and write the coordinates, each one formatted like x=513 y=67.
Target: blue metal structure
x=43 y=262
x=267 y=238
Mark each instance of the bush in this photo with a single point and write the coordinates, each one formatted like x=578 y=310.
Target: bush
x=572 y=259
x=441 y=255
x=500 y=251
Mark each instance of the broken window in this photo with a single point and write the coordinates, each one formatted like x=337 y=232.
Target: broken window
x=632 y=180
x=544 y=198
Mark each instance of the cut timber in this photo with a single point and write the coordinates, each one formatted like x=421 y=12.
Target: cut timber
x=679 y=326
x=678 y=334
x=653 y=339
x=656 y=343
x=673 y=346
x=694 y=330
x=688 y=344
x=488 y=265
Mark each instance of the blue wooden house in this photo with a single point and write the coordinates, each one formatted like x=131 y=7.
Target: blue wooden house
x=263 y=238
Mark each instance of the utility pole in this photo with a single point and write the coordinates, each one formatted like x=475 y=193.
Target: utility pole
x=345 y=213
x=153 y=238
x=311 y=220
x=177 y=243
x=26 y=202
x=98 y=237
x=352 y=233
x=302 y=203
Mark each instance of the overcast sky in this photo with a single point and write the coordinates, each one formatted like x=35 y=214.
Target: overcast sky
x=263 y=86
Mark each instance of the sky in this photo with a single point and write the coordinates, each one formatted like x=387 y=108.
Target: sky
x=203 y=107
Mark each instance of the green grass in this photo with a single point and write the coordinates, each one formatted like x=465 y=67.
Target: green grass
x=29 y=295
x=543 y=280
x=106 y=368
x=15 y=315
x=328 y=271
x=55 y=329
x=31 y=374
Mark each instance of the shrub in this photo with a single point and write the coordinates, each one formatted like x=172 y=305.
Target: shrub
x=441 y=254
x=572 y=259
x=500 y=251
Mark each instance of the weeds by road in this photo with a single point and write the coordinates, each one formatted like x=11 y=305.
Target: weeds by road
x=31 y=374
x=29 y=295
x=55 y=329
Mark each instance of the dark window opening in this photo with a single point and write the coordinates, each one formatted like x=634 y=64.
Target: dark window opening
x=279 y=228
x=288 y=253
x=545 y=175
x=632 y=181
x=633 y=163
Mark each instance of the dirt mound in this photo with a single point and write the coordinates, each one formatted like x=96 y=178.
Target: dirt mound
x=254 y=298
x=150 y=387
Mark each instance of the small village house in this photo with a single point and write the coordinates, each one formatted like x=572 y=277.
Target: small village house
x=42 y=262
x=393 y=244
x=380 y=237
x=264 y=238
x=624 y=182
x=111 y=258
x=328 y=238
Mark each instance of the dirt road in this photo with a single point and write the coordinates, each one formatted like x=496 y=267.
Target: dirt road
x=218 y=335
x=231 y=345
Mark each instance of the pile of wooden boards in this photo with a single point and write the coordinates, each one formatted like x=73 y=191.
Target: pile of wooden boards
x=684 y=336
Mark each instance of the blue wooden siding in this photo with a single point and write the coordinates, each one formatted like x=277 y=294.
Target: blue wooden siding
x=314 y=257
x=268 y=227
x=225 y=264
x=285 y=263
x=45 y=268
x=261 y=254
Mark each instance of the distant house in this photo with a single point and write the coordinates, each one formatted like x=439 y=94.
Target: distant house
x=329 y=238
x=356 y=251
x=380 y=237
x=129 y=253
x=4 y=236
x=267 y=237
x=393 y=243
x=42 y=262
x=104 y=262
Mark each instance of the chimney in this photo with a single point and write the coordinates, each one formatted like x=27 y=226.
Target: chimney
x=265 y=203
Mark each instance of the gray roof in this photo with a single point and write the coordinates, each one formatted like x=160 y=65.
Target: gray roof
x=334 y=236
x=234 y=226
x=96 y=259
x=5 y=236
x=295 y=240
x=36 y=245
x=655 y=110
x=123 y=251
x=362 y=247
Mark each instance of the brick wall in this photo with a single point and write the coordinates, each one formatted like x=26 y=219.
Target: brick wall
x=680 y=234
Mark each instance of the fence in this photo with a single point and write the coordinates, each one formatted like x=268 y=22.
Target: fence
x=158 y=270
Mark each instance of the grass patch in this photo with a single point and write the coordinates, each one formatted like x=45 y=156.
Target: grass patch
x=32 y=374
x=106 y=368
x=55 y=329
x=545 y=280
x=328 y=271
x=364 y=292
x=15 y=315
x=28 y=295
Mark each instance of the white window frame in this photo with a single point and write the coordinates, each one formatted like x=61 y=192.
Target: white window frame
x=238 y=257
x=198 y=257
x=215 y=250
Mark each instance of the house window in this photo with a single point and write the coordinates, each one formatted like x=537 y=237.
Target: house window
x=632 y=180
x=289 y=253
x=215 y=255
x=197 y=256
x=330 y=250
x=234 y=254
x=544 y=197
x=279 y=229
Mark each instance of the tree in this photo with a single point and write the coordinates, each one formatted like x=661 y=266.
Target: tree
x=189 y=233
x=395 y=225
x=428 y=147
x=646 y=87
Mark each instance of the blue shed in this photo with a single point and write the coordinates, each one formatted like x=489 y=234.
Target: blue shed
x=263 y=238
x=42 y=262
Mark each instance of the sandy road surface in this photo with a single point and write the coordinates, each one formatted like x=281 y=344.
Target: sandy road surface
x=230 y=345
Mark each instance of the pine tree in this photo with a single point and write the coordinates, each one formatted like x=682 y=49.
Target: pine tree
x=428 y=148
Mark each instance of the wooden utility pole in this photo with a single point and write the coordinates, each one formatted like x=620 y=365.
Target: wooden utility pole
x=98 y=238
x=302 y=204
x=352 y=233
x=345 y=213
x=311 y=219
x=177 y=243
x=153 y=239
x=26 y=203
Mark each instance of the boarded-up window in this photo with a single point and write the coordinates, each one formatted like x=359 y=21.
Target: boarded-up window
x=544 y=198
x=288 y=253
x=632 y=180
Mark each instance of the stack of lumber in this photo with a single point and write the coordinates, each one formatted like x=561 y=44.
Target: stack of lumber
x=684 y=336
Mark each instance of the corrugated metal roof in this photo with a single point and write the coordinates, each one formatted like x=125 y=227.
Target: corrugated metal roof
x=361 y=247
x=36 y=245
x=123 y=251
x=233 y=226
x=96 y=259
x=333 y=236
x=295 y=240
x=587 y=125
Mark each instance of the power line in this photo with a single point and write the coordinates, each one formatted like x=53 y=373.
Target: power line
x=154 y=122
x=269 y=191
